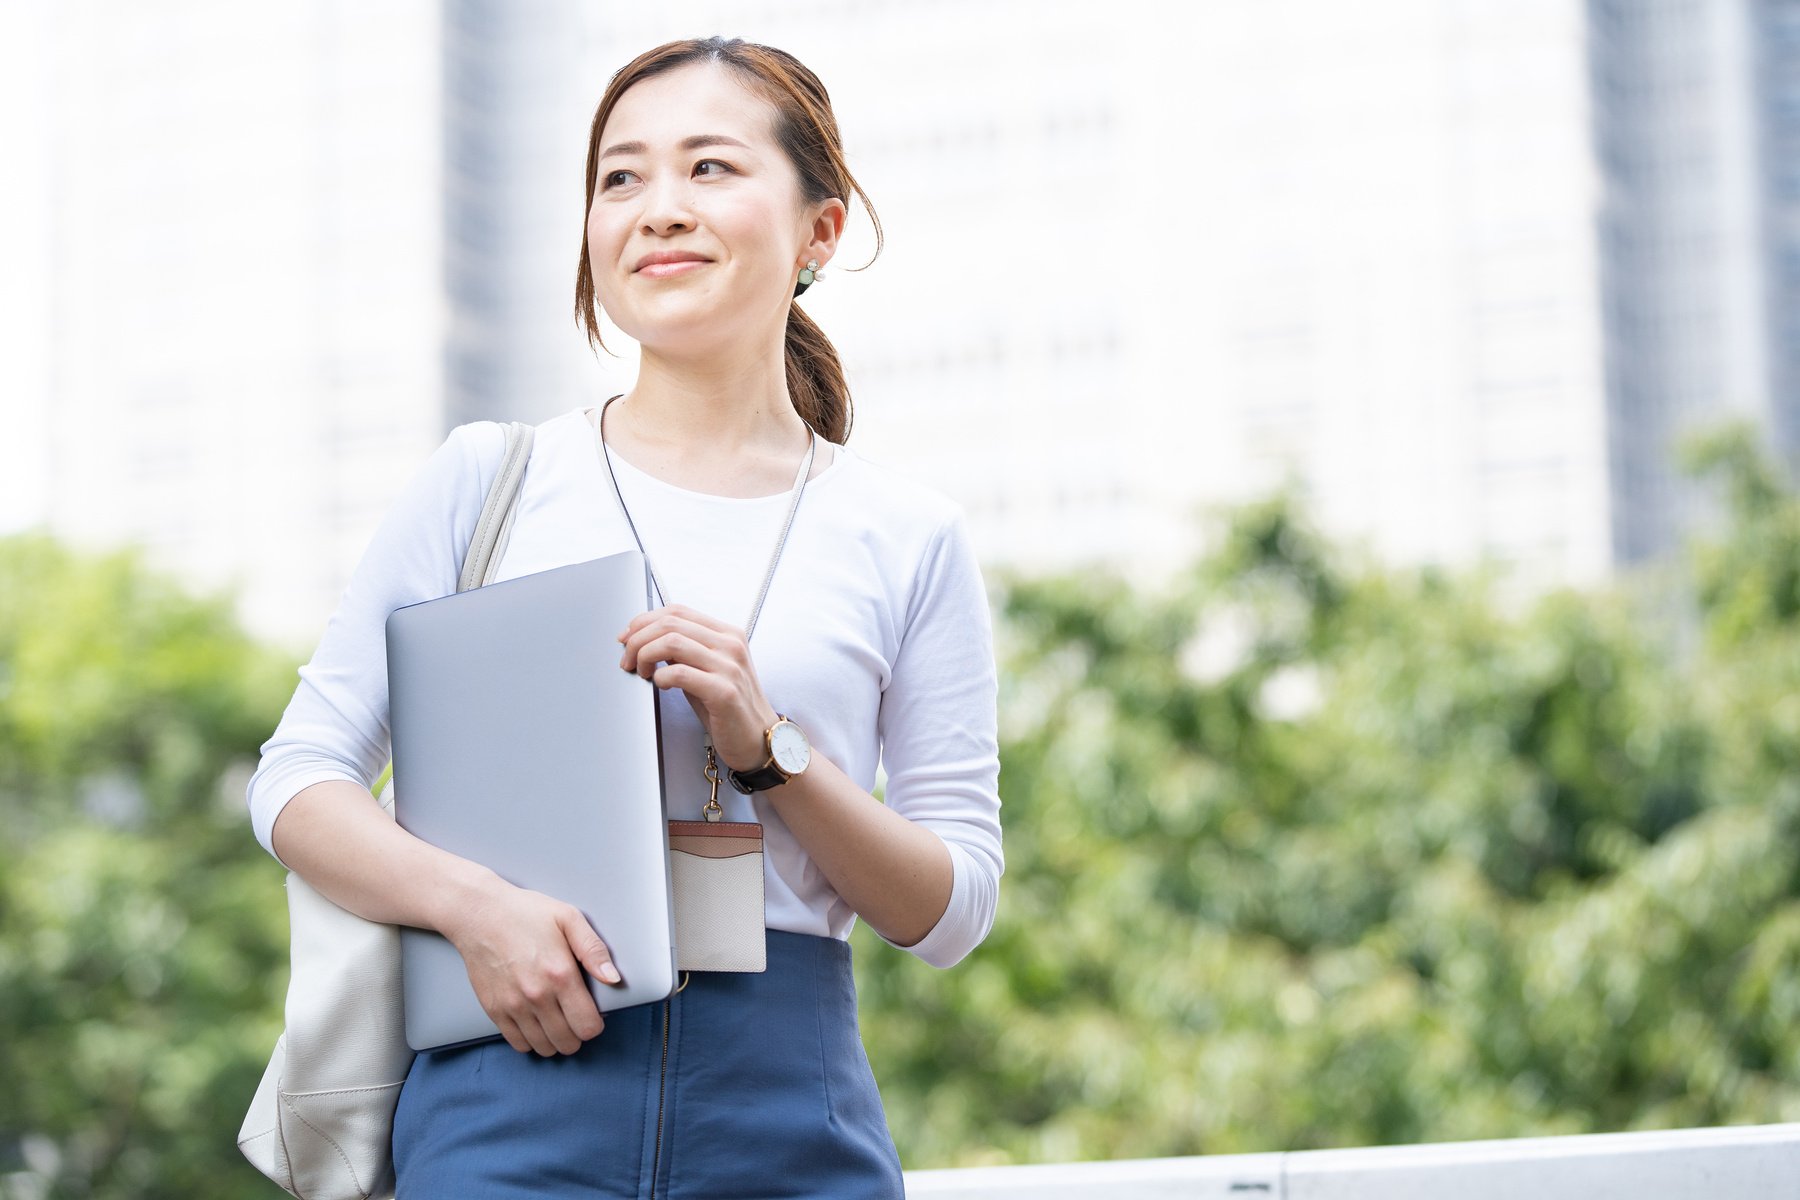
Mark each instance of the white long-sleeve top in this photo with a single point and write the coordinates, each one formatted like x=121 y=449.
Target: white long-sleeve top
x=875 y=637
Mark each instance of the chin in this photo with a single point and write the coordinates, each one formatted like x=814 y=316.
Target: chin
x=696 y=339
x=682 y=330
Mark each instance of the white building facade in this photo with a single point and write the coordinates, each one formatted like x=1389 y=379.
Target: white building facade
x=1457 y=269
x=237 y=221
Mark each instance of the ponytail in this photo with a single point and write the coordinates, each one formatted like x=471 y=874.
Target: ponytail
x=815 y=378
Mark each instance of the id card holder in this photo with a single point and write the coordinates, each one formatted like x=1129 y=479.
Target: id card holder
x=716 y=868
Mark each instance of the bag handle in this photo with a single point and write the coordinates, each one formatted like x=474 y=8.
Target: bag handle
x=488 y=543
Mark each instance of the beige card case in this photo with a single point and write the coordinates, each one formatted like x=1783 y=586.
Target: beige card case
x=716 y=869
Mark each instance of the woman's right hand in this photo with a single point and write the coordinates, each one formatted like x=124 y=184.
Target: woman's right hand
x=525 y=953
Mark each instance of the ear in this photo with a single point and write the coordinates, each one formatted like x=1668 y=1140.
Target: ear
x=826 y=228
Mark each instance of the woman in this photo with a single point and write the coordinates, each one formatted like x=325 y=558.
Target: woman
x=716 y=190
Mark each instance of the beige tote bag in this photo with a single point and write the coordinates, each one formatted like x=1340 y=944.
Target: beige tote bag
x=321 y=1122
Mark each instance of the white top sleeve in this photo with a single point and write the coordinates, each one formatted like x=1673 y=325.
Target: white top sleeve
x=336 y=725
x=890 y=654
x=939 y=737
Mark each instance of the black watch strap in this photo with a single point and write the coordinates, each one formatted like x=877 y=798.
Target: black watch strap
x=758 y=780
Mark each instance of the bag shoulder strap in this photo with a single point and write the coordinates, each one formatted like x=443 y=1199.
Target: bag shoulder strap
x=495 y=524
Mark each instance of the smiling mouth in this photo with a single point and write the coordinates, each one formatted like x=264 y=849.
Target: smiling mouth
x=659 y=270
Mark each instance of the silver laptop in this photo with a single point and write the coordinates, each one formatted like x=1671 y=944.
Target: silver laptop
x=519 y=743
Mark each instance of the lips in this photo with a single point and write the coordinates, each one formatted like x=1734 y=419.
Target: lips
x=677 y=267
x=669 y=261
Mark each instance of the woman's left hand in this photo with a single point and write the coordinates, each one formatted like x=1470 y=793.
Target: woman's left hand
x=710 y=662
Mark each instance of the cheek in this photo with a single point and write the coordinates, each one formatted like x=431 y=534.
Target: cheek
x=756 y=234
x=599 y=236
x=605 y=242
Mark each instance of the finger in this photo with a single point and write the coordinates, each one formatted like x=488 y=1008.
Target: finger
x=550 y=1000
x=705 y=619
x=694 y=682
x=640 y=631
x=503 y=1021
x=589 y=950
x=636 y=623
x=676 y=647
x=532 y=1030
x=638 y=644
x=580 y=1014
x=556 y=1028
x=651 y=616
x=680 y=613
x=677 y=610
x=509 y=1029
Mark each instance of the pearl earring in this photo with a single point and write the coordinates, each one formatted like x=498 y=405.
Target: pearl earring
x=808 y=273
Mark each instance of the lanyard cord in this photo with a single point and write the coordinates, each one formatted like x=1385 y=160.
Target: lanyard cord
x=787 y=523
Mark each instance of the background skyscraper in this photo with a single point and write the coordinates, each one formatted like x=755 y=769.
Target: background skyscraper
x=1461 y=270
x=233 y=213
x=1697 y=121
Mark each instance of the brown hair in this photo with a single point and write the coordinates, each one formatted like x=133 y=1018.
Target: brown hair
x=807 y=130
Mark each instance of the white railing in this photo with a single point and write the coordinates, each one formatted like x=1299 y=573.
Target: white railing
x=1749 y=1162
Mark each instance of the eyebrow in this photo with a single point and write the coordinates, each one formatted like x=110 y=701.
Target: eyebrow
x=688 y=143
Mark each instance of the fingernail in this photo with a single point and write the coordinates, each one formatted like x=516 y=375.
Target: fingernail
x=609 y=973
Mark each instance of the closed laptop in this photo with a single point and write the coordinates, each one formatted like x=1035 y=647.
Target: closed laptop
x=520 y=744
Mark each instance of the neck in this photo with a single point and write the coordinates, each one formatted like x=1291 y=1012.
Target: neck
x=738 y=407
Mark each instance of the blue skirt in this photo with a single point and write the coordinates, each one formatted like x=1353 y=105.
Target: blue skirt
x=763 y=1090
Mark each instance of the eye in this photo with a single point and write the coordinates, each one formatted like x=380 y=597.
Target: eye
x=607 y=180
x=714 y=162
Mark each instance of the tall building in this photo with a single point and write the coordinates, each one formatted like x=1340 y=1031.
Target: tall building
x=1775 y=37
x=1144 y=258
x=990 y=345
x=236 y=215
x=1696 y=124
x=975 y=358
x=518 y=95
x=1374 y=273
x=1459 y=270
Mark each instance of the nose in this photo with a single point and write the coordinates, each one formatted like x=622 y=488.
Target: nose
x=666 y=208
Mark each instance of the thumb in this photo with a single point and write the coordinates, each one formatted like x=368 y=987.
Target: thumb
x=589 y=950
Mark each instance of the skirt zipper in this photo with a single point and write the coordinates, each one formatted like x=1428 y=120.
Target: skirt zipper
x=661 y=1086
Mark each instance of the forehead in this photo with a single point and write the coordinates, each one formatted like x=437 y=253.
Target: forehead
x=695 y=98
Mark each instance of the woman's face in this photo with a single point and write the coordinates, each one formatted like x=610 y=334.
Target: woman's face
x=690 y=167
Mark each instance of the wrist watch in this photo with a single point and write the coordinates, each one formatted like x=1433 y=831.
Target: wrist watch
x=788 y=754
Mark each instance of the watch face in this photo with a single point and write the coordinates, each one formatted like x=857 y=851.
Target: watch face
x=790 y=747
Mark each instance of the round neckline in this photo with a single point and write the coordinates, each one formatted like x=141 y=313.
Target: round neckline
x=838 y=455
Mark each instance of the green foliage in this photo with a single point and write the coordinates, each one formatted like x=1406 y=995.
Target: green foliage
x=1750 y=582
x=1301 y=852
x=142 y=931
x=1401 y=864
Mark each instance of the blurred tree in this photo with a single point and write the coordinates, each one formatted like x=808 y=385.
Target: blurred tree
x=142 y=931
x=1301 y=852
x=1307 y=853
